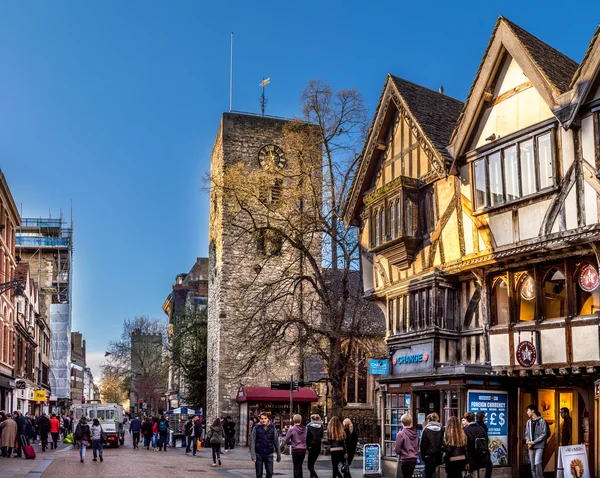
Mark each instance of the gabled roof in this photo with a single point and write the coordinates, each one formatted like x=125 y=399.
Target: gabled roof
x=434 y=116
x=549 y=71
x=435 y=112
x=585 y=76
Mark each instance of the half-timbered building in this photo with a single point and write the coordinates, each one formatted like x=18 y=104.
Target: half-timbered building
x=480 y=237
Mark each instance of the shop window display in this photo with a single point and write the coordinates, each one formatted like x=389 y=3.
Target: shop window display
x=396 y=405
x=526 y=290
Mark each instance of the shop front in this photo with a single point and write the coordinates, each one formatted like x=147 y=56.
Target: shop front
x=276 y=403
x=7 y=386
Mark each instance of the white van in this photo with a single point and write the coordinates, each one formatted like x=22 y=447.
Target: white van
x=110 y=416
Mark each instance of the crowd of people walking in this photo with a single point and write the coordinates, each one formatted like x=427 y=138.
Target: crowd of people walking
x=18 y=430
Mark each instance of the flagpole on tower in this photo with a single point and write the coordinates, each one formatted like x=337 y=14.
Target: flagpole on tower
x=263 y=100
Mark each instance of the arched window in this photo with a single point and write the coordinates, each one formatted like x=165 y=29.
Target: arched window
x=500 y=307
x=588 y=290
x=526 y=297
x=555 y=293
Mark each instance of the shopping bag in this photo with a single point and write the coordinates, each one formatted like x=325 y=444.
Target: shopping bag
x=199 y=445
x=69 y=439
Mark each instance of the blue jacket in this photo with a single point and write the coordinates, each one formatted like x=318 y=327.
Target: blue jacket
x=135 y=425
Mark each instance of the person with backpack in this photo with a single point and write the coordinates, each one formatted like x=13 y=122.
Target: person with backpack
x=83 y=435
x=163 y=431
x=407 y=446
x=296 y=437
x=480 y=420
x=215 y=437
x=455 y=444
x=477 y=444
x=536 y=434
x=314 y=440
x=432 y=440
x=43 y=424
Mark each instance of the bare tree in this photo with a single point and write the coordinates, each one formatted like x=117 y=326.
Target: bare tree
x=292 y=215
x=138 y=359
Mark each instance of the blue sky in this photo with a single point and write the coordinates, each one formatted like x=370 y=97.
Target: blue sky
x=114 y=106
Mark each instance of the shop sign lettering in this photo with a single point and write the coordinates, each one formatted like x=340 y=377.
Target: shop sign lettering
x=495 y=406
x=413 y=359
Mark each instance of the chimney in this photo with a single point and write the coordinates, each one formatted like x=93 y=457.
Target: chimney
x=442 y=89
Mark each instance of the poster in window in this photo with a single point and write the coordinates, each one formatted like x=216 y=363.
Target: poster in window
x=546 y=404
x=495 y=406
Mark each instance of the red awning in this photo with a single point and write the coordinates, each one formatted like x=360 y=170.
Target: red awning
x=265 y=394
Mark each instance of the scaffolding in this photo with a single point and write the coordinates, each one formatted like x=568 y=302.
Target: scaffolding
x=47 y=245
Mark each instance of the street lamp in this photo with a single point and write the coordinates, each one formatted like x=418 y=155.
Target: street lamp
x=13 y=284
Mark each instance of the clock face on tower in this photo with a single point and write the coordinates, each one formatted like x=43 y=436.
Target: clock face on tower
x=271 y=156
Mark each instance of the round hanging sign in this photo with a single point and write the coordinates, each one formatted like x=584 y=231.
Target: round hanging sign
x=526 y=354
x=588 y=278
x=528 y=288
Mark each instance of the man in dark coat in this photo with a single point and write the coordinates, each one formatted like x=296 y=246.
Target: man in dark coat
x=20 y=420
x=43 y=425
x=477 y=444
x=229 y=429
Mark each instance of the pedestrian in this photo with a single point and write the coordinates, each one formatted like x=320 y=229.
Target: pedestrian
x=163 y=430
x=155 y=433
x=215 y=438
x=255 y=421
x=456 y=448
x=351 y=439
x=83 y=435
x=135 y=427
x=54 y=430
x=19 y=420
x=480 y=420
x=566 y=430
x=44 y=428
x=188 y=431
x=67 y=422
x=339 y=453
x=432 y=440
x=477 y=444
x=29 y=429
x=263 y=442
x=536 y=434
x=296 y=437
x=148 y=433
x=97 y=432
x=314 y=440
x=407 y=446
x=196 y=433
x=9 y=434
x=229 y=429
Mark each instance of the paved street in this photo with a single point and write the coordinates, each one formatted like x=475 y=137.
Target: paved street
x=125 y=461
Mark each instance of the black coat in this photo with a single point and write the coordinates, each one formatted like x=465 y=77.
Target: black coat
x=476 y=461
x=432 y=440
x=44 y=427
x=351 y=441
x=147 y=429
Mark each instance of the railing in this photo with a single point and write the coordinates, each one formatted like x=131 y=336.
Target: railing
x=49 y=223
x=42 y=241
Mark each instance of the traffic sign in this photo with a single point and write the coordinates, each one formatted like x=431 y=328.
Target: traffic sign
x=286 y=385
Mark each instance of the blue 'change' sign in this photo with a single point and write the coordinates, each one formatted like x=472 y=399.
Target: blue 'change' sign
x=378 y=367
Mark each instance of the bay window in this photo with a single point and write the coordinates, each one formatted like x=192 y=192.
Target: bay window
x=514 y=171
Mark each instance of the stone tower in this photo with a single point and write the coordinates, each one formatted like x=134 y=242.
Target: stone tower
x=242 y=138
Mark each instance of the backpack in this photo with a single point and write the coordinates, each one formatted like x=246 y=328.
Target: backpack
x=162 y=426
x=548 y=432
x=481 y=448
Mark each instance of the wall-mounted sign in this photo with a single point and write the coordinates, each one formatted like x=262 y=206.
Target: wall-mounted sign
x=573 y=462
x=527 y=288
x=588 y=278
x=372 y=459
x=20 y=385
x=39 y=395
x=416 y=358
x=378 y=367
x=495 y=406
x=526 y=353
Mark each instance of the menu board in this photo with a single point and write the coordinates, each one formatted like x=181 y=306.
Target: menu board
x=495 y=406
x=372 y=459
